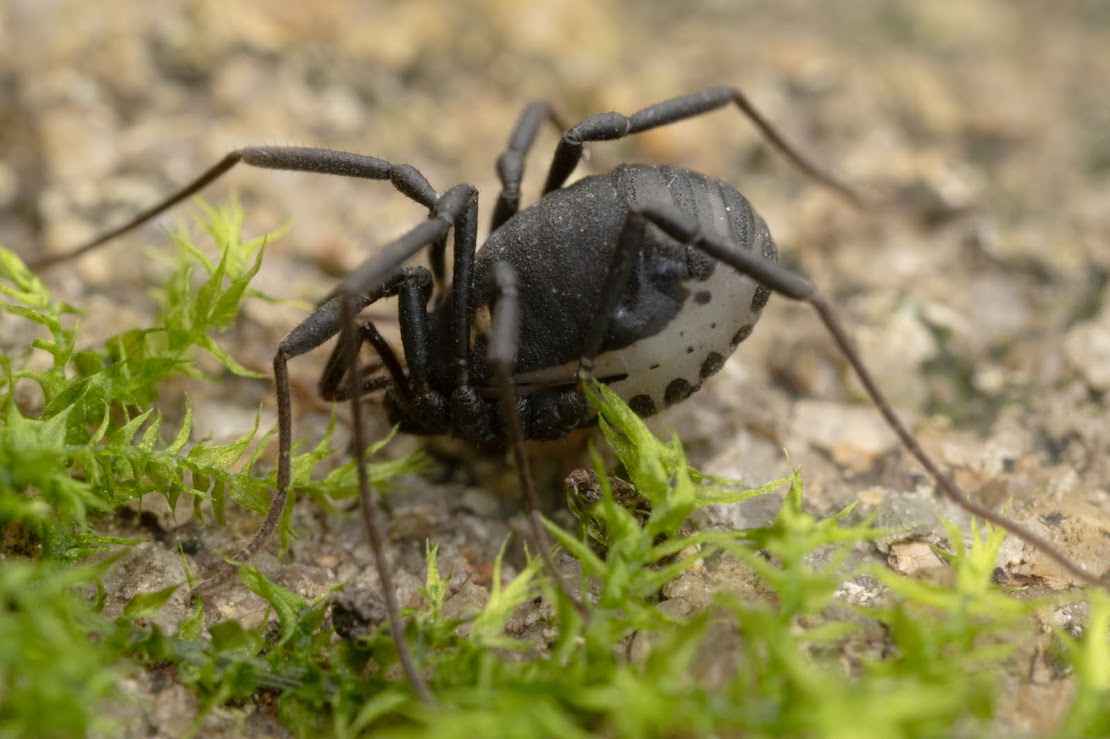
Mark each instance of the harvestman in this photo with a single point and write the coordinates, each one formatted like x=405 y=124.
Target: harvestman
x=646 y=277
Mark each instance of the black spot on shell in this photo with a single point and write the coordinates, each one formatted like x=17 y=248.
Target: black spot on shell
x=702 y=297
x=677 y=391
x=712 y=365
x=689 y=350
x=654 y=366
x=762 y=294
x=642 y=405
x=742 y=334
x=760 y=298
x=699 y=265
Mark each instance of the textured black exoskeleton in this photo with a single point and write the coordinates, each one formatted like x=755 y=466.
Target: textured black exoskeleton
x=647 y=277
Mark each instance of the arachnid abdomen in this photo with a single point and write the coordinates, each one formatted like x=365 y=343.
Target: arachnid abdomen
x=681 y=315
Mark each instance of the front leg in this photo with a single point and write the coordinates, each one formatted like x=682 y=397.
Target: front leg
x=414 y=402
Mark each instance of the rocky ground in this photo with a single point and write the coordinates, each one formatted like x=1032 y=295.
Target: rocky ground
x=982 y=311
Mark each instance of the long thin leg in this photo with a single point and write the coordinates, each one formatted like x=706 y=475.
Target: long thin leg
x=504 y=343
x=609 y=126
x=371 y=516
x=457 y=208
x=466 y=244
x=510 y=165
x=334 y=384
x=686 y=230
x=404 y=177
x=367 y=284
x=412 y=287
x=449 y=211
x=320 y=326
x=363 y=286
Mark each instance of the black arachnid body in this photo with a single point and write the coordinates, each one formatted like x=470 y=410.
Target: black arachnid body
x=678 y=318
x=646 y=278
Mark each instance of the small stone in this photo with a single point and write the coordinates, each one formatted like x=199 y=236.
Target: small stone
x=1088 y=350
x=854 y=435
x=913 y=557
x=906 y=516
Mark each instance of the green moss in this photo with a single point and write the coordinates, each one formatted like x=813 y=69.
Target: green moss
x=792 y=656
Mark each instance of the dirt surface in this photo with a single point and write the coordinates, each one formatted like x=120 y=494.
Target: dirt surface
x=983 y=312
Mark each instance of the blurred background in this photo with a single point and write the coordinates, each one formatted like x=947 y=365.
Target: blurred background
x=982 y=310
